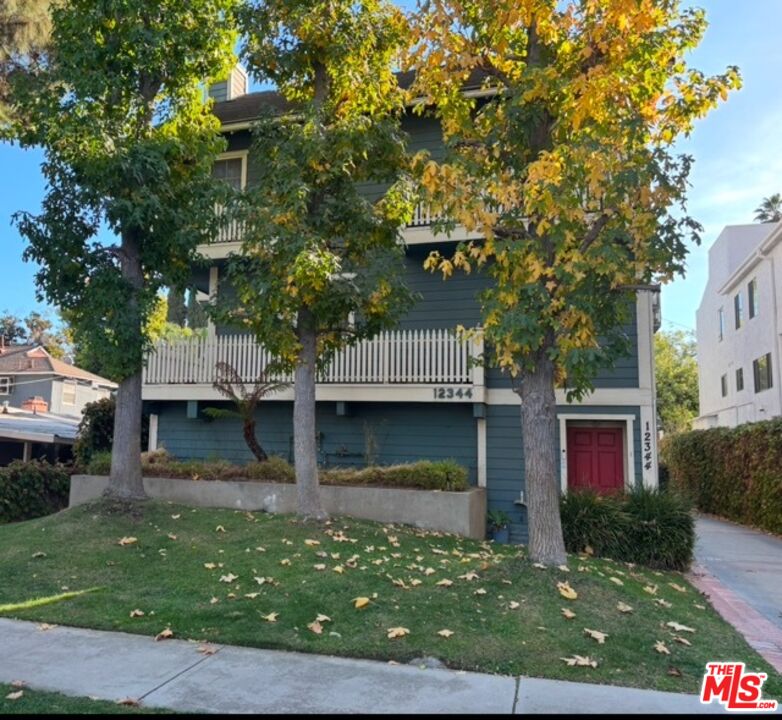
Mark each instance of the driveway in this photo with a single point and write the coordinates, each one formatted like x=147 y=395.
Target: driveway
x=748 y=562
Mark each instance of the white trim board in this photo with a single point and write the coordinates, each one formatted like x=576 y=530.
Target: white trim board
x=629 y=454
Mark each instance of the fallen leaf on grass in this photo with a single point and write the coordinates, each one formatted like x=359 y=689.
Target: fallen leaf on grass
x=596 y=635
x=338 y=569
x=171 y=536
x=682 y=641
x=480 y=591
x=206 y=649
x=580 y=661
x=127 y=541
x=679 y=627
x=566 y=591
x=214 y=601
x=674 y=671
x=616 y=581
x=43 y=627
x=397 y=632
x=563 y=568
x=176 y=517
x=14 y=695
x=228 y=578
x=220 y=528
x=660 y=647
x=316 y=627
x=271 y=617
x=513 y=605
x=568 y=614
x=624 y=607
x=321 y=618
x=663 y=603
x=415 y=582
x=472 y=575
x=678 y=588
x=444 y=583
x=445 y=633
x=651 y=589
x=252 y=595
x=210 y=566
x=39 y=554
x=360 y=602
x=319 y=566
x=539 y=566
x=136 y=613
x=164 y=634
x=311 y=543
x=700 y=607
x=589 y=550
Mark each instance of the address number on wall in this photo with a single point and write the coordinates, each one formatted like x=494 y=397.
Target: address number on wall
x=451 y=393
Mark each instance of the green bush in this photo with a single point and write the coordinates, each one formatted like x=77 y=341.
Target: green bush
x=32 y=489
x=425 y=474
x=735 y=473
x=96 y=430
x=648 y=527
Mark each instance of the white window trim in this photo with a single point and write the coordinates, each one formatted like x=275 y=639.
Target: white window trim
x=67 y=384
x=629 y=453
x=6 y=385
x=234 y=155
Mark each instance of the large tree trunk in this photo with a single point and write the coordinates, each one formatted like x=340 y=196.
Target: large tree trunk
x=539 y=433
x=304 y=443
x=125 y=480
x=252 y=440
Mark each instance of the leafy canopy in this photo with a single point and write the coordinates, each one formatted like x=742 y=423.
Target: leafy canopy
x=565 y=166
x=676 y=374
x=129 y=145
x=313 y=241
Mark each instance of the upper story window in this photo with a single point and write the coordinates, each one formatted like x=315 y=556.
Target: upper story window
x=762 y=370
x=69 y=393
x=5 y=385
x=230 y=170
x=722 y=323
x=738 y=307
x=739 y=379
x=752 y=292
x=724 y=385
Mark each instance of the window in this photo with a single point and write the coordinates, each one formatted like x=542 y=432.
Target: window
x=5 y=385
x=722 y=323
x=739 y=379
x=762 y=371
x=738 y=306
x=69 y=393
x=230 y=170
x=752 y=291
x=724 y=384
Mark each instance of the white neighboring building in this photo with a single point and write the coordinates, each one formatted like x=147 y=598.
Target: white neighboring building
x=739 y=328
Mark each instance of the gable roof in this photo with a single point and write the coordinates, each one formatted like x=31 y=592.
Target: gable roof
x=34 y=360
x=246 y=108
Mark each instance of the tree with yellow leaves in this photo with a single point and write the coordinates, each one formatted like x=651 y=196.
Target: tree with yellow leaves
x=564 y=165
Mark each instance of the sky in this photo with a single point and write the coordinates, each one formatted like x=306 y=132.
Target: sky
x=737 y=150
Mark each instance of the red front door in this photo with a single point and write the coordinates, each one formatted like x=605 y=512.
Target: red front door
x=595 y=459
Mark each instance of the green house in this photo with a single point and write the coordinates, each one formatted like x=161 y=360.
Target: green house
x=410 y=393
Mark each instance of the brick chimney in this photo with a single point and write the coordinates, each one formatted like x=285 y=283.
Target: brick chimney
x=35 y=405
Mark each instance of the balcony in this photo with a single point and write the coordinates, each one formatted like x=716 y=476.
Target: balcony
x=398 y=365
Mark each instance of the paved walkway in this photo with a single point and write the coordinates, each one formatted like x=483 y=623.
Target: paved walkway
x=740 y=570
x=174 y=674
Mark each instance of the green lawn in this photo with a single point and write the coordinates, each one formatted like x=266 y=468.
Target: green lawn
x=221 y=576
x=36 y=702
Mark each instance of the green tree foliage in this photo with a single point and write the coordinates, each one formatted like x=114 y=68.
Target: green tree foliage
x=770 y=210
x=129 y=144
x=177 y=310
x=566 y=169
x=35 y=329
x=676 y=374
x=24 y=36
x=321 y=263
x=12 y=329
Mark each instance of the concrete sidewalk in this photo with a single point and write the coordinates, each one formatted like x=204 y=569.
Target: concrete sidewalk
x=174 y=674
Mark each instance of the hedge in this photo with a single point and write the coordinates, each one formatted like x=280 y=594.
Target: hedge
x=32 y=489
x=423 y=475
x=735 y=473
x=648 y=527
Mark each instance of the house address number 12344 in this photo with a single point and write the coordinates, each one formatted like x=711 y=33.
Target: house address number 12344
x=451 y=393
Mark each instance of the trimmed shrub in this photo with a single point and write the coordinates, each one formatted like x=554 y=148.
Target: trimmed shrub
x=735 y=473
x=648 y=527
x=32 y=489
x=96 y=430
x=424 y=475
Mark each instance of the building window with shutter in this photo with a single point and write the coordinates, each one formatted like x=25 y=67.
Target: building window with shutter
x=738 y=307
x=752 y=292
x=724 y=385
x=762 y=371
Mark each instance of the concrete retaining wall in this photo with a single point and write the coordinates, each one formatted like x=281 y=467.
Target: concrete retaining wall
x=463 y=513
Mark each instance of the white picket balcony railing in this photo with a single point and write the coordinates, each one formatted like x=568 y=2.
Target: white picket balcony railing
x=391 y=358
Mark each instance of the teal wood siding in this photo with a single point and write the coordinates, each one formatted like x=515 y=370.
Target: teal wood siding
x=505 y=457
x=388 y=434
